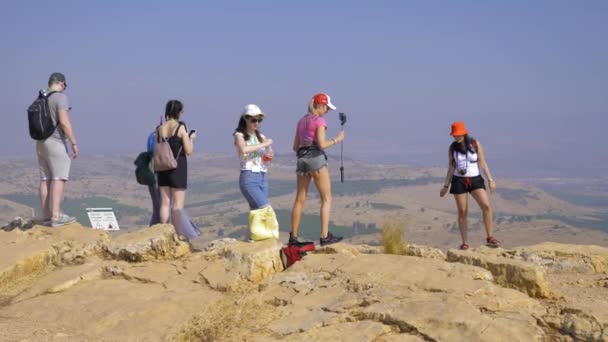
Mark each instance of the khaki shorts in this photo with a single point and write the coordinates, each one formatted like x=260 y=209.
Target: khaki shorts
x=53 y=159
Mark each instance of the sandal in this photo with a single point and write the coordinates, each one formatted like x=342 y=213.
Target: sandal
x=464 y=246
x=492 y=242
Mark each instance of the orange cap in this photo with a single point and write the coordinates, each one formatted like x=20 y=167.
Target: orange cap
x=458 y=129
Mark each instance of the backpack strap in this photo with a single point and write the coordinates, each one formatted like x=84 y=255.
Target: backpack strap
x=178 y=126
x=175 y=135
x=42 y=94
x=157 y=134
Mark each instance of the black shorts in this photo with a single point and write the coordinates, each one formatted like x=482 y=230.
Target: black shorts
x=462 y=185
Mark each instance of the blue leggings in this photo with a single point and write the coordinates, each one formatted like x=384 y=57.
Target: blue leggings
x=254 y=186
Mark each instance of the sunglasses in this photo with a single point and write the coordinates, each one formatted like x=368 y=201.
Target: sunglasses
x=254 y=120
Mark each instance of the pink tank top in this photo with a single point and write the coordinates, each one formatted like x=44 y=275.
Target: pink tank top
x=307 y=129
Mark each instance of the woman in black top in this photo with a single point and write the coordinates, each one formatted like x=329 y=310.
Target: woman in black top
x=173 y=183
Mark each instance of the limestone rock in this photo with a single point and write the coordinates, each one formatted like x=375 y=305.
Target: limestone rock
x=239 y=264
x=365 y=331
x=514 y=274
x=219 y=243
x=155 y=243
x=77 y=284
x=581 y=326
x=344 y=248
x=425 y=252
x=560 y=258
x=402 y=297
x=29 y=255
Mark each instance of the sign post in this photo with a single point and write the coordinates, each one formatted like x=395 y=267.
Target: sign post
x=102 y=218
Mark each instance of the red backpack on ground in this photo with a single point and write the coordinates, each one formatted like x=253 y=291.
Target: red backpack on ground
x=295 y=252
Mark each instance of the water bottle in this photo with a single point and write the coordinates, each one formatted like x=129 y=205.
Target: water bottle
x=267 y=156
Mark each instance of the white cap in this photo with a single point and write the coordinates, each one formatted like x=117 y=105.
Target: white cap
x=252 y=110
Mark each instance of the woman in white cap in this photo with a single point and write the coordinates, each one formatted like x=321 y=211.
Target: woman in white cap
x=309 y=144
x=254 y=151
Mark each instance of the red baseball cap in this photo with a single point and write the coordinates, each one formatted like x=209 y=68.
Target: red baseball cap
x=323 y=99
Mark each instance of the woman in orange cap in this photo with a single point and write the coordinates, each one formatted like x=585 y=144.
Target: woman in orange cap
x=466 y=157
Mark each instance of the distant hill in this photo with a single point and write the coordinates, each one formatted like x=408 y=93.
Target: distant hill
x=524 y=212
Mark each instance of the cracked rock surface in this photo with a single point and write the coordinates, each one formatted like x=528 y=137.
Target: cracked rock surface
x=78 y=284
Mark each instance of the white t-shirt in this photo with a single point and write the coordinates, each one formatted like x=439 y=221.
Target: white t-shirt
x=253 y=161
x=468 y=162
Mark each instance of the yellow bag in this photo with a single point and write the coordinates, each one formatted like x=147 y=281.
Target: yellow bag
x=263 y=224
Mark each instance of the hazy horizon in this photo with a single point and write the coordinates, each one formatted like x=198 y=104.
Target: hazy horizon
x=529 y=79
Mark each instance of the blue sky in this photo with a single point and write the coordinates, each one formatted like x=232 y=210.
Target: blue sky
x=530 y=78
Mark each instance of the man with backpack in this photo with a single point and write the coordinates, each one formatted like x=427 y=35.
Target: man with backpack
x=50 y=126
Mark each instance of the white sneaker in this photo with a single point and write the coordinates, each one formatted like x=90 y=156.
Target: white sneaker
x=63 y=220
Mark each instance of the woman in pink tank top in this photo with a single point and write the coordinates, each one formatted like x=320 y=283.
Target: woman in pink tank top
x=309 y=144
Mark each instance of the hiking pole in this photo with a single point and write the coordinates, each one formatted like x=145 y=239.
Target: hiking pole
x=342 y=122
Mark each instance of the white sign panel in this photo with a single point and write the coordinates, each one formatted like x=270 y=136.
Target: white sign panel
x=102 y=218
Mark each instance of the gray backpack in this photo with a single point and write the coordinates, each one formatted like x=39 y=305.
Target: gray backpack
x=164 y=160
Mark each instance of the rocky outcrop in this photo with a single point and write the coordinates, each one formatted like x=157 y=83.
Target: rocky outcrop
x=515 y=274
x=562 y=258
x=240 y=264
x=79 y=284
x=343 y=248
x=31 y=254
x=159 y=242
x=399 y=296
x=424 y=252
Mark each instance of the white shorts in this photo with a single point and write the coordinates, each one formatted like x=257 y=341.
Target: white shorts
x=53 y=159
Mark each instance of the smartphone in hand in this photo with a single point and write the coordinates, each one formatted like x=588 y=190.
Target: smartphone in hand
x=192 y=131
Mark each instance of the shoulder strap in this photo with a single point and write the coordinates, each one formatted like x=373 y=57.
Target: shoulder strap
x=158 y=134
x=178 y=126
x=42 y=94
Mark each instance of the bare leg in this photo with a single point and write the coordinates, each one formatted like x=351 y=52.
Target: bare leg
x=323 y=183
x=165 y=204
x=462 y=205
x=298 y=204
x=178 y=197
x=481 y=196
x=45 y=207
x=57 y=188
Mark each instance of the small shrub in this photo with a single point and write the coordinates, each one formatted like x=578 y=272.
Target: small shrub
x=392 y=238
x=227 y=319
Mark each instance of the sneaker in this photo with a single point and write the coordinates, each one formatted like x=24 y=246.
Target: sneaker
x=63 y=220
x=492 y=242
x=293 y=240
x=330 y=239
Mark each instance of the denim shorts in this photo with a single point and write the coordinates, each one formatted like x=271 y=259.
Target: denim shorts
x=254 y=186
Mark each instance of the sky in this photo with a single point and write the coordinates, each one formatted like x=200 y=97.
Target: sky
x=529 y=78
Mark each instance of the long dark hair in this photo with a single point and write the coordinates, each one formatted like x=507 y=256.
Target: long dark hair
x=242 y=128
x=464 y=146
x=173 y=109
